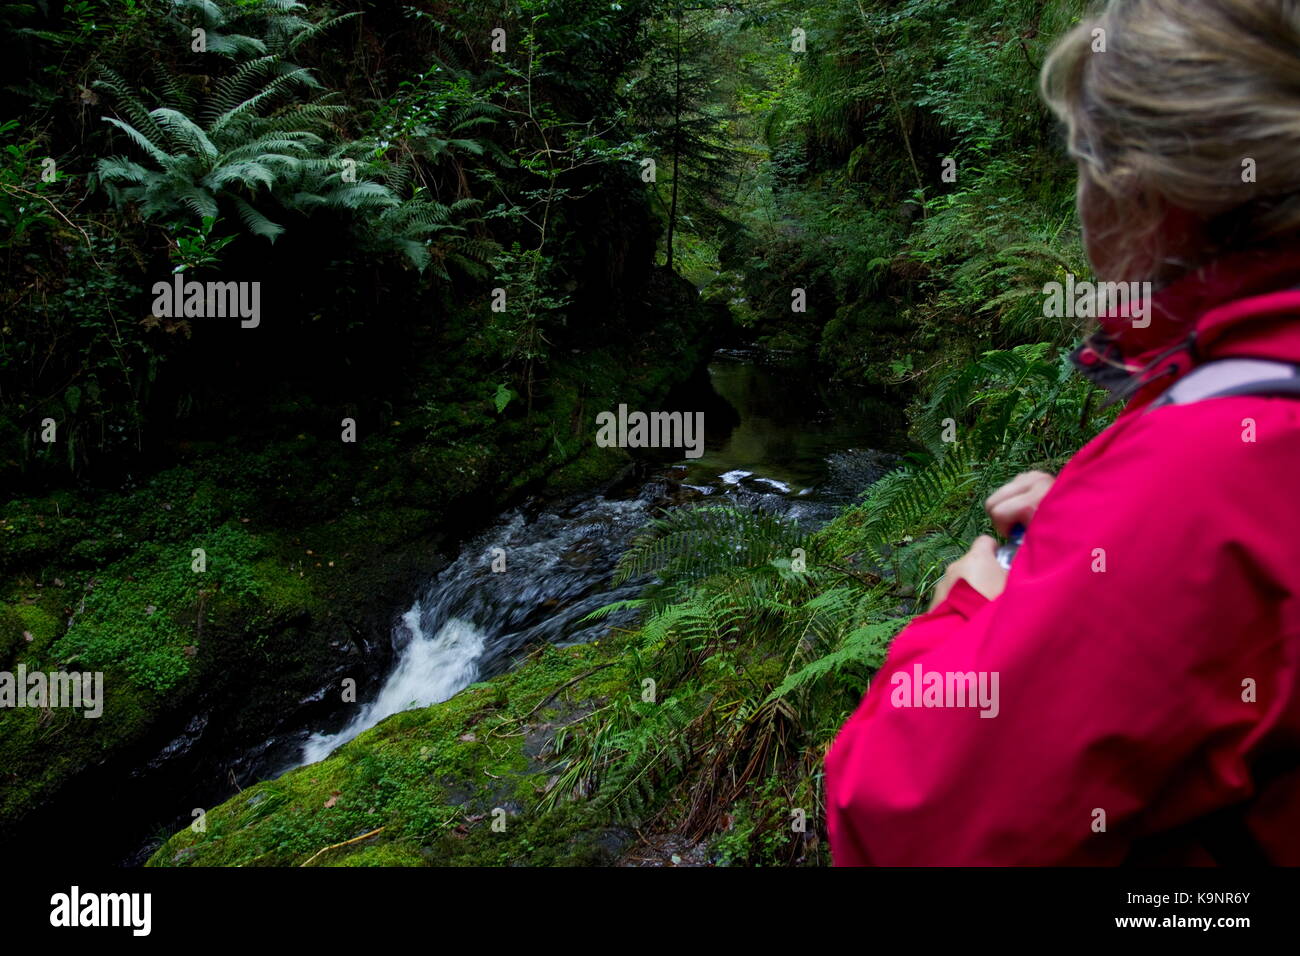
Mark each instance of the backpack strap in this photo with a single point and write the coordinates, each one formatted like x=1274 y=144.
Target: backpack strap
x=1223 y=378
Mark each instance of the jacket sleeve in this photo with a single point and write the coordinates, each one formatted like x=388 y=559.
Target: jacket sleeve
x=1114 y=663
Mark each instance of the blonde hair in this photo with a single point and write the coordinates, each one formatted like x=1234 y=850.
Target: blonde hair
x=1184 y=94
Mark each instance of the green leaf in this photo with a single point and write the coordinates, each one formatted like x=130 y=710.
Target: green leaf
x=502 y=398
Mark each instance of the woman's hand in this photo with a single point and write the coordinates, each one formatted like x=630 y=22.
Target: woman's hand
x=979 y=566
x=1016 y=501
x=1012 y=504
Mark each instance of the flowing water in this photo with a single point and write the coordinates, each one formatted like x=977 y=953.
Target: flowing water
x=772 y=441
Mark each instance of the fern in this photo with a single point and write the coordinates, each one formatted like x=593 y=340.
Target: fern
x=691 y=544
x=864 y=648
x=257 y=144
x=651 y=746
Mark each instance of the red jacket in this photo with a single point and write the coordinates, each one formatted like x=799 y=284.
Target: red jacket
x=1159 y=581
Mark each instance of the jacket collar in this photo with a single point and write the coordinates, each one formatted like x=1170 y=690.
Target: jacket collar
x=1242 y=306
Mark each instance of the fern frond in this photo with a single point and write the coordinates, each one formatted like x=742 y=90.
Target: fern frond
x=255 y=222
x=184 y=131
x=139 y=139
x=312 y=31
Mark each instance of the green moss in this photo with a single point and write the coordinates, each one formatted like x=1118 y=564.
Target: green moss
x=282 y=588
x=591 y=467
x=42 y=624
x=146 y=614
x=384 y=854
x=432 y=781
x=19 y=622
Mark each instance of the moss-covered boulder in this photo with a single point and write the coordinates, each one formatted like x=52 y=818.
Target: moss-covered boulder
x=458 y=783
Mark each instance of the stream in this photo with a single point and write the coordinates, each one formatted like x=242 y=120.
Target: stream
x=786 y=448
x=775 y=439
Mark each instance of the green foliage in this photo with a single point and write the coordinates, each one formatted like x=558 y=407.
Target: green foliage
x=258 y=135
x=25 y=190
x=502 y=398
x=262 y=144
x=100 y=408
x=863 y=647
x=759 y=827
x=752 y=631
x=476 y=171
x=854 y=205
x=195 y=246
x=645 y=746
x=681 y=120
x=996 y=247
x=1007 y=412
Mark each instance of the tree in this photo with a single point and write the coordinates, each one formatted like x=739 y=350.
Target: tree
x=675 y=108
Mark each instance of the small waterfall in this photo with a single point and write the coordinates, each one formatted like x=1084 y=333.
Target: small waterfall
x=526 y=580
x=433 y=668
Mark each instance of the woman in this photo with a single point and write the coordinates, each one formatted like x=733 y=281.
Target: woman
x=1145 y=646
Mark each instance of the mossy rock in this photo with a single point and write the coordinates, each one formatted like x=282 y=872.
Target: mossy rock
x=458 y=783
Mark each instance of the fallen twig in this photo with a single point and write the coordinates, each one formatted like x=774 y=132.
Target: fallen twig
x=567 y=684
x=335 y=846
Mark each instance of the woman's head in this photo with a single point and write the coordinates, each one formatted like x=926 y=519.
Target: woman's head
x=1184 y=119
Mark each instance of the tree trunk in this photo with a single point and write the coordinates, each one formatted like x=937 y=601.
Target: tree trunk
x=677 y=127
